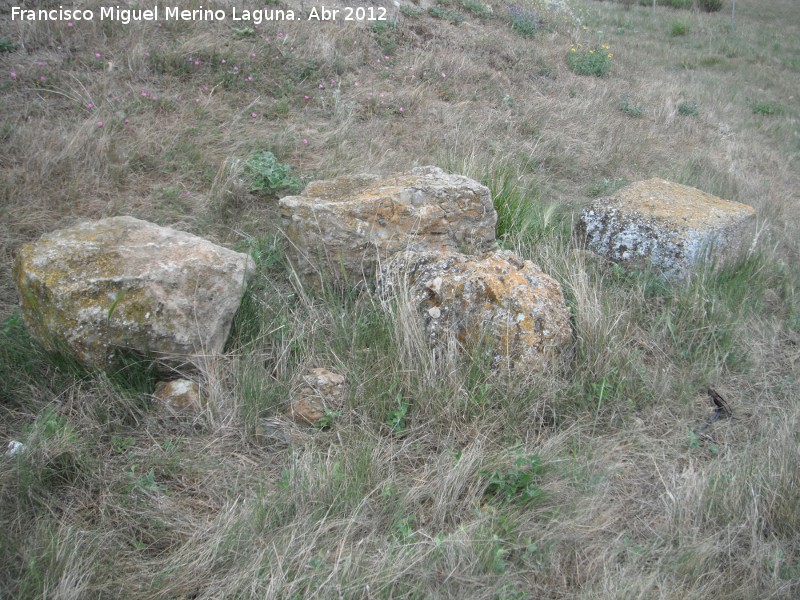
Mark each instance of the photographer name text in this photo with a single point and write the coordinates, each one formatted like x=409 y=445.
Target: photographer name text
x=175 y=13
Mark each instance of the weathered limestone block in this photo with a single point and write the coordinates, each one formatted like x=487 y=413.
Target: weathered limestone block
x=668 y=226
x=122 y=283
x=497 y=301
x=322 y=393
x=341 y=229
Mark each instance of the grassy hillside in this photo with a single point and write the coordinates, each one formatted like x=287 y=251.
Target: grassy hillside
x=439 y=478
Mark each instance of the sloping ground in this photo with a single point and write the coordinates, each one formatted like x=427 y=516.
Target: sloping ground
x=438 y=478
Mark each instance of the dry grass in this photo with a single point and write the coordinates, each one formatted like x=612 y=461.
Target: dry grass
x=631 y=501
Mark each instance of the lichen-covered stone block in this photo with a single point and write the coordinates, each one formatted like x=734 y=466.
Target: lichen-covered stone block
x=496 y=301
x=126 y=284
x=339 y=230
x=668 y=226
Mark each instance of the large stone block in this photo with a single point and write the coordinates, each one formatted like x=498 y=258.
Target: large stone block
x=339 y=230
x=671 y=227
x=496 y=301
x=122 y=283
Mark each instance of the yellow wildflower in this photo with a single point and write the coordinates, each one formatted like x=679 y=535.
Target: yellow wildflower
x=610 y=55
x=605 y=46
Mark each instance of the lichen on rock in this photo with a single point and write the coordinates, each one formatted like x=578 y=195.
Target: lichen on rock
x=496 y=301
x=126 y=284
x=340 y=230
x=667 y=226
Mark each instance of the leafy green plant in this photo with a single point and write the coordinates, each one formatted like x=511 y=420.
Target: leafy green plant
x=50 y=426
x=524 y=21
x=266 y=175
x=143 y=482
x=766 y=108
x=412 y=12
x=517 y=483
x=403 y=528
x=328 y=419
x=590 y=61
x=7 y=46
x=475 y=7
x=385 y=35
x=446 y=14
x=630 y=109
x=678 y=28
x=120 y=445
x=687 y=110
x=396 y=419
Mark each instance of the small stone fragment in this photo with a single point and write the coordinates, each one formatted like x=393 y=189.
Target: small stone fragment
x=14 y=448
x=179 y=395
x=321 y=395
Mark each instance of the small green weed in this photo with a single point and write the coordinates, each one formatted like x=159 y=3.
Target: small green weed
x=475 y=7
x=403 y=528
x=120 y=445
x=630 y=109
x=687 y=110
x=446 y=14
x=412 y=12
x=590 y=61
x=50 y=426
x=766 y=108
x=678 y=28
x=385 y=35
x=143 y=482
x=268 y=176
x=7 y=46
x=396 y=419
x=518 y=483
x=524 y=22
x=328 y=419
x=243 y=32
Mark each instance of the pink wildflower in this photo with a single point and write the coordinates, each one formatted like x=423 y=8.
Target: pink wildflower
x=100 y=123
x=97 y=55
x=13 y=74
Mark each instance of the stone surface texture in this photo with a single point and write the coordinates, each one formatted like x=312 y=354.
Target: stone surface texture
x=122 y=283
x=497 y=300
x=322 y=391
x=179 y=395
x=668 y=226
x=342 y=228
